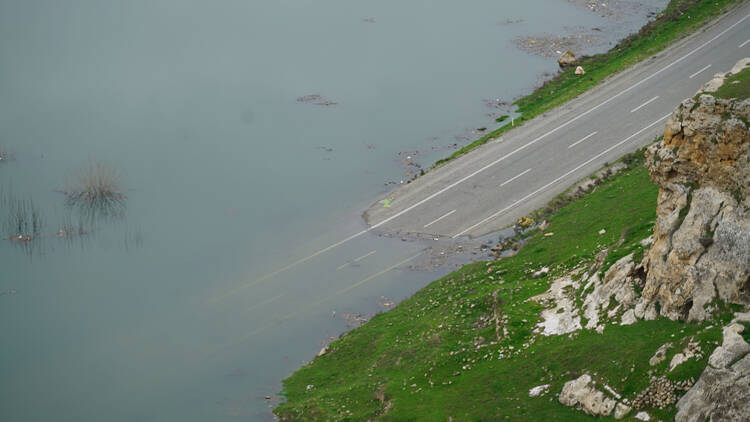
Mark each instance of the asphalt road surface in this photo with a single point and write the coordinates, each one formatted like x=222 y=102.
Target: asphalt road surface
x=489 y=188
x=492 y=186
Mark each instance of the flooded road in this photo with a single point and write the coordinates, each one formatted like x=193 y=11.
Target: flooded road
x=244 y=135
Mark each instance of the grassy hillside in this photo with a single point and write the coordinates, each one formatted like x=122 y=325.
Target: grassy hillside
x=680 y=18
x=464 y=347
x=736 y=86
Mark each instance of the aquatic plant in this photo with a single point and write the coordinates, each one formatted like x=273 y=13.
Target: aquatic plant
x=22 y=220
x=96 y=182
x=95 y=191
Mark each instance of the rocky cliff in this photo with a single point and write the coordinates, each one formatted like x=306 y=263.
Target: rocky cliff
x=701 y=249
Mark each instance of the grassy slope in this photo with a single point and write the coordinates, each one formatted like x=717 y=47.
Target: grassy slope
x=736 y=86
x=680 y=18
x=420 y=361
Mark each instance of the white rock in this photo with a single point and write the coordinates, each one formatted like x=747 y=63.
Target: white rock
x=617 y=283
x=612 y=391
x=660 y=354
x=602 y=231
x=538 y=390
x=642 y=416
x=733 y=347
x=563 y=318
x=720 y=393
x=687 y=353
x=542 y=272
x=580 y=71
x=628 y=318
x=677 y=359
x=582 y=394
x=741 y=317
x=621 y=410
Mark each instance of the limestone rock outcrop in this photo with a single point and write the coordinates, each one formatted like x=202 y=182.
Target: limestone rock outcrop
x=581 y=393
x=722 y=392
x=618 y=284
x=701 y=249
x=562 y=318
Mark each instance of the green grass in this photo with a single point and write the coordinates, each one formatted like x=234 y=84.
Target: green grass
x=740 y=89
x=680 y=18
x=435 y=355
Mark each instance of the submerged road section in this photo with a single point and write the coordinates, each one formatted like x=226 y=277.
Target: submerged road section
x=490 y=187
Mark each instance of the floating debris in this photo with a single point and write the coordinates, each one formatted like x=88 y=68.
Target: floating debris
x=354 y=320
x=384 y=302
x=9 y=292
x=309 y=98
x=20 y=238
x=497 y=103
x=510 y=22
x=369 y=20
x=548 y=45
x=5 y=155
x=315 y=99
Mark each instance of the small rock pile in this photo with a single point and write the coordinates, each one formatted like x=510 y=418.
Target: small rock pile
x=661 y=393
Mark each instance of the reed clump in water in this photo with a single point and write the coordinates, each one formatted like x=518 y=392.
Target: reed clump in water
x=95 y=191
x=23 y=221
x=97 y=183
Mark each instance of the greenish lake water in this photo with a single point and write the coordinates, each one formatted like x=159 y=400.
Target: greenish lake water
x=156 y=312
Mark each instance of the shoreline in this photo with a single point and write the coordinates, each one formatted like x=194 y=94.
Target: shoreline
x=727 y=6
x=564 y=87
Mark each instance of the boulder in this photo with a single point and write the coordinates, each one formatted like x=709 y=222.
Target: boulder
x=538 y=390
x=567 y=59
x=621 y=410
x=721 y=393
x=581 y=393
x=660 y=355
x=579 y=71
x=732 y=348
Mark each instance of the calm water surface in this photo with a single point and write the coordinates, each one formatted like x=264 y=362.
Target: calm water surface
x=156 y=314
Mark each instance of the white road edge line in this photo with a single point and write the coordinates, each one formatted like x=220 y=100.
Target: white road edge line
x=342 y=266
x=561 y=177
x=583 y=139
x=437 y=219
x=364 y=256
x=373 y=227
x=309 y=306
x=515 y=177
x=696 y=73
x=452 y=185
x=644 y=104
x=743 y=44
x=378 y=274
x=346 y=264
